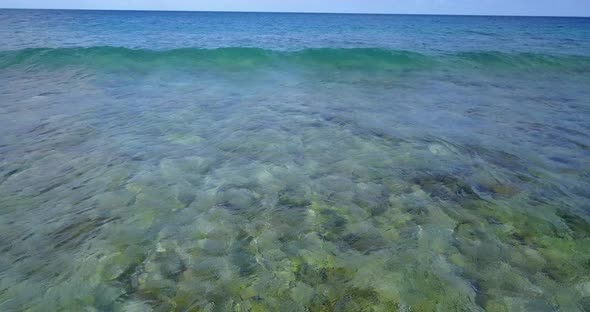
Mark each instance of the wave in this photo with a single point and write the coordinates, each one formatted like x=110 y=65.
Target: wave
x=249 y=58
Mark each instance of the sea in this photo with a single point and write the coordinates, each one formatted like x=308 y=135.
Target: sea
x=211 y=161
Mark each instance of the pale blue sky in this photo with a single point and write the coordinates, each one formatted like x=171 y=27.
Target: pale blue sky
x=485 y=7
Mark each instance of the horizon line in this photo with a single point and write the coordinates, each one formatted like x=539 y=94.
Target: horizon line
x=295 y=12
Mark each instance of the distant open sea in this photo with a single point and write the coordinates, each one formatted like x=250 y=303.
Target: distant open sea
x=195 y=161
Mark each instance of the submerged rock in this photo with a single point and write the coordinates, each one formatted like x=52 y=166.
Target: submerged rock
x=184 y=139
x=190 y=169
x=363 y=242
x=152 y=279
x=76 y=233
x=290 y=199
x=491 y=185
x=439 y=149
x=357 y=300
x=331 y=224
x=580 y=228
x=135 y=306
x=185 y=193
x=446 y=187
x=212 y=247
x=235 y=199
x=170 y=264
x=302 y=293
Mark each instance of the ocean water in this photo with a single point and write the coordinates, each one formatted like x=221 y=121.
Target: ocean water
x=173 y=161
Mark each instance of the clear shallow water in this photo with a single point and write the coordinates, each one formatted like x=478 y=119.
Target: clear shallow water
x=320 y=165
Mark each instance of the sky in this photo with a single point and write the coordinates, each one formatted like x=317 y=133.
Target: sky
x=469 y=7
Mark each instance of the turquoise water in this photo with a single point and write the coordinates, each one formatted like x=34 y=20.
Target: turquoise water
x=170 y=161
